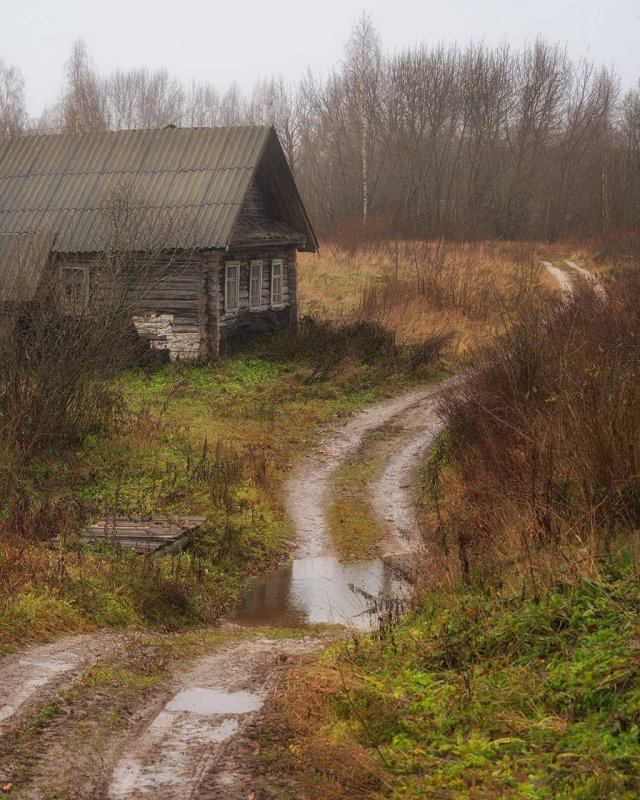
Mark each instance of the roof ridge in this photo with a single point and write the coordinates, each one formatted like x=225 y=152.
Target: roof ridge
x=33 y=135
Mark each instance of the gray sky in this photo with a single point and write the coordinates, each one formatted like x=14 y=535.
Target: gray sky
x=242 y=40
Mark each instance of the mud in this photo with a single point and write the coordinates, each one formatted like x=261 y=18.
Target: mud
x=318 y=590
x=308 y=490
x=28 y=677
x=393 y=493
x=169 y=758
x=590 y=278
x=316 y=586
x=190 y=737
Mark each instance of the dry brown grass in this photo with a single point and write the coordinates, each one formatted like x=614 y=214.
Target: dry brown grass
x=302 y=735
x=418 y=289
x=539 y=466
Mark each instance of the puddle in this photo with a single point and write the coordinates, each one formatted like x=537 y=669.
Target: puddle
x=215 y=701
x=317 y=590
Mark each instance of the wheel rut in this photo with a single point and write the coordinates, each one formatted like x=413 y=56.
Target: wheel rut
x=190 y=742
x=36 y=672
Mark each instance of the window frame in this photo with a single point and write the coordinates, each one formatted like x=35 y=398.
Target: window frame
x=277 y=262
x=79 y=302
x=230 y=265
x=256 y=264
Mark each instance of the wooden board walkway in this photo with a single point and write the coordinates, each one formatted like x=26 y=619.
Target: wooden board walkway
x=159 y=535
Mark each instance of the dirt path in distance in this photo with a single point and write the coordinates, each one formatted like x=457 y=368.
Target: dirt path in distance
x=561 y=276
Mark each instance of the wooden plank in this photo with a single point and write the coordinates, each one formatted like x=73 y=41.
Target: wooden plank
x=158 y=535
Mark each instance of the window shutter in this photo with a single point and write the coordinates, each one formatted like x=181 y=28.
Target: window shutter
x=231 y=285
x=255 y=285
x=276 y=282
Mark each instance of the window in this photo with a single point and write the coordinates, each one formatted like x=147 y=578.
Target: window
x=276 y=282
x=76 y=289
x=231 y=285
x=255 y=284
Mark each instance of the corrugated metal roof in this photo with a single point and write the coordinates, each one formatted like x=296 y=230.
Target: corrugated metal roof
x=23 y=257
x=65 y=184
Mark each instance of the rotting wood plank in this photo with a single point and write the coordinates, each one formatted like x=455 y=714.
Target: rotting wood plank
x=158 y=536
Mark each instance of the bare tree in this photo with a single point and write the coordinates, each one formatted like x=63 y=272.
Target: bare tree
x=82 y=105
x=13 y=115
x=630 y=130
x=432 y=141
x=142 y=98
x=363 y=76
x=64 y=338
x=276 y=103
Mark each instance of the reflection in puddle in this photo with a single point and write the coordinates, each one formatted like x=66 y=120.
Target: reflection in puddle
x=214 y=701
x=313 y=590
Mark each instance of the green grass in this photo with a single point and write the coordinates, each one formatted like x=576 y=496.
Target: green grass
x=354 y=528
x=484 y=694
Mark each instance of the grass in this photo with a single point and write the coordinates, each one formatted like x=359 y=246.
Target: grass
x=355 y=530
x=420 y=288
x=217 y=440
x=482 y=693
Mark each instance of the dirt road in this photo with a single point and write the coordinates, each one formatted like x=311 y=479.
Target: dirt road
x=414 y=420
x=197 y=736
x=190 y=732
x=187 y=739
x=33 y=674
x=567 y=274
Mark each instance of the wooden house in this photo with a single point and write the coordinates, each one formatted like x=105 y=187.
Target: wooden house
x=232 y=266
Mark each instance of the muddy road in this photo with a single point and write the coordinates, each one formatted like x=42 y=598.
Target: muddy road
x=185 y=739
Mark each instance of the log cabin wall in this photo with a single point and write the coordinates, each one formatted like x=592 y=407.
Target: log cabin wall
x=182 y=306
x=229 y=317
x=171 y=301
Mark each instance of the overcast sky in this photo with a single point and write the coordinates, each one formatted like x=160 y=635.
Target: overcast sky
x=241 y=40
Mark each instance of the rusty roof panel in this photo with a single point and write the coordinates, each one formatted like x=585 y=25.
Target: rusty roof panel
x=53 y=155
x=5 y=143
x=36 y=194
x=129 y=153
x=165 y=153
x=11 y=192
x=154 y=189
x=91 y=152
x=214 y=224
x=190 y=187
x=230 y=184
x=19 y=157
x=78 y=191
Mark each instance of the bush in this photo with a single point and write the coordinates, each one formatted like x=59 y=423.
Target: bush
x=546 y=431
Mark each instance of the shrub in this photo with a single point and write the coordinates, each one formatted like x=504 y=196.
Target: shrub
x=546 y=431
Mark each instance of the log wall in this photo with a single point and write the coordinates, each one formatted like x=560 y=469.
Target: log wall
x=245 y=256
x=181 y=306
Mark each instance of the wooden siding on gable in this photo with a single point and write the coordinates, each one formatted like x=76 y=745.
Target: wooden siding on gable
x=256 y=206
